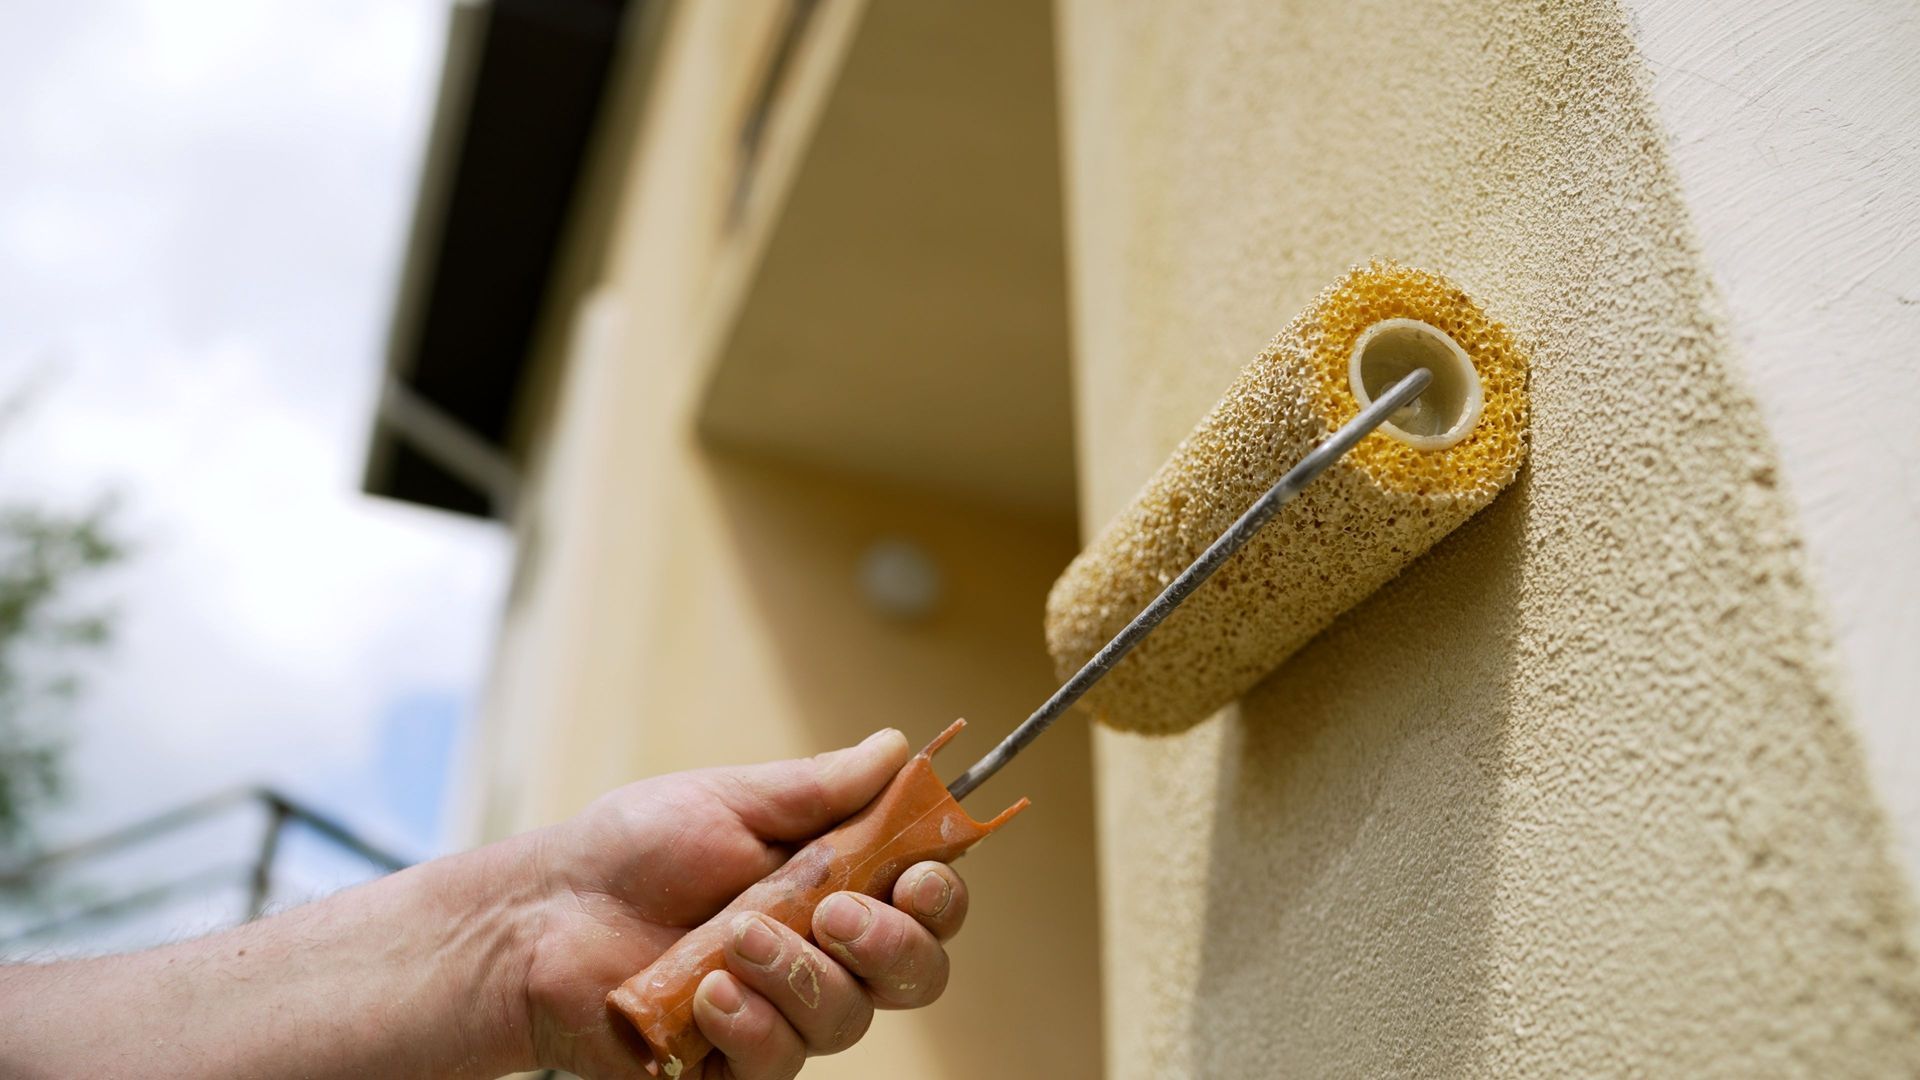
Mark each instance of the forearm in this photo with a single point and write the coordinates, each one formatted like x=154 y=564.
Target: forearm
x=421 y=973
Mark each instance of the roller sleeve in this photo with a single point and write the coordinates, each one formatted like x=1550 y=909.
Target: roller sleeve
x=1393 y=496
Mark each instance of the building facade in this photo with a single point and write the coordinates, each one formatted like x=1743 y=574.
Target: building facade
x=853 y=317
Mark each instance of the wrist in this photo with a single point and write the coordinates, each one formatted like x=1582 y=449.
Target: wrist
x=491 y=899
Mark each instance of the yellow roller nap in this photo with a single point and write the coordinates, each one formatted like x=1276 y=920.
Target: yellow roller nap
x=1379 y=508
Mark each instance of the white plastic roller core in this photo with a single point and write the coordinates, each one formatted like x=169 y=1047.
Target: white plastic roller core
x=1439 y=417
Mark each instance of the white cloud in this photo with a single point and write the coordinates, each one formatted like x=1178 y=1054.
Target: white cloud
x=201 y=214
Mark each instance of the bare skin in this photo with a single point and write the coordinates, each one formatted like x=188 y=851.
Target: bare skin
x=499 y=959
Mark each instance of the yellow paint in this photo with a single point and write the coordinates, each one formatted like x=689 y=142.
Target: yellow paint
x=1575 y=794
x=1483 y=462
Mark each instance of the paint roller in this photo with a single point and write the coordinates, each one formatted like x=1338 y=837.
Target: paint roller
x=1384 y=415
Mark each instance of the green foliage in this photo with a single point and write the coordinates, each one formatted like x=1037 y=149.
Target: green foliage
x=45 y=631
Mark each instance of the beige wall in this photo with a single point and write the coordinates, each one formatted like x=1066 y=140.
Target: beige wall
x=678 y=605
x=1794 y=129
x=1578 y=794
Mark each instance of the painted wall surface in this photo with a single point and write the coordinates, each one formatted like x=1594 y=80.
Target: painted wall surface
x=677 y=606
x=1794 y=130
x=1580 y=793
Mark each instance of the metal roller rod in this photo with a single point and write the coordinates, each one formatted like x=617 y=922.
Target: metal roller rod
x=1236 y=537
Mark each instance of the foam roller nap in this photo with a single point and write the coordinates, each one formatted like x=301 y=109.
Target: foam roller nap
x=1432 y=466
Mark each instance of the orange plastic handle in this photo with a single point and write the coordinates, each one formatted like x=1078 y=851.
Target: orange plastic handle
x=913 y=819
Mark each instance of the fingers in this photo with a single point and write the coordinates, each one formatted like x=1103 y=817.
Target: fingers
x=899 y=960
x=827 y=1007
x=801 y=798
x=747 y=1030
x=933 y=894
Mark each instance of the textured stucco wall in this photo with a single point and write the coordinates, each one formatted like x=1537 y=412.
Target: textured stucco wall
x=1576 y=795
x=1794 y=129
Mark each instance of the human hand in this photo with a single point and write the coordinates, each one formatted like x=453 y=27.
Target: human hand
x=499 y=959
x=614 y=887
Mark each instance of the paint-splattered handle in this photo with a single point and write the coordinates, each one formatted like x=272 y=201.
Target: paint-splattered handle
x=914 y=819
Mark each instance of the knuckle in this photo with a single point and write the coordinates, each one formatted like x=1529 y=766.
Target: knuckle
x=812 y=797
x=741 y=1033
x=936 y=983
x=888 y=944
x=733 y=789
x=683 y=800
x=855 y=1016
x=925 y=983
x=749 y=1030
x=914 y=963
x=758 y=1041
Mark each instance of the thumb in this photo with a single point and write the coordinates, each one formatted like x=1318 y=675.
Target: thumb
x=803 y=797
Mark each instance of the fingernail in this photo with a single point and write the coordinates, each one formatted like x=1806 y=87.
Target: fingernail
x=885 y=734
x=844 y=918
x=724 y=994
x=839 y=764
x=755 y=941
x=932 y=893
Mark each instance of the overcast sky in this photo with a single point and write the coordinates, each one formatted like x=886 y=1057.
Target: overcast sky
x=202 y=206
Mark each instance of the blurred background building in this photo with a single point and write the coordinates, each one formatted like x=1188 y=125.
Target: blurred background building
x=770 y=377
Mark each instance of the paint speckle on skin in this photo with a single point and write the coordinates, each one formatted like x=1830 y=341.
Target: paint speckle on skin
x=804 y=981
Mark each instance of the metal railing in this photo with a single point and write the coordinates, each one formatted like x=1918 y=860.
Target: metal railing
x=258 y=872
